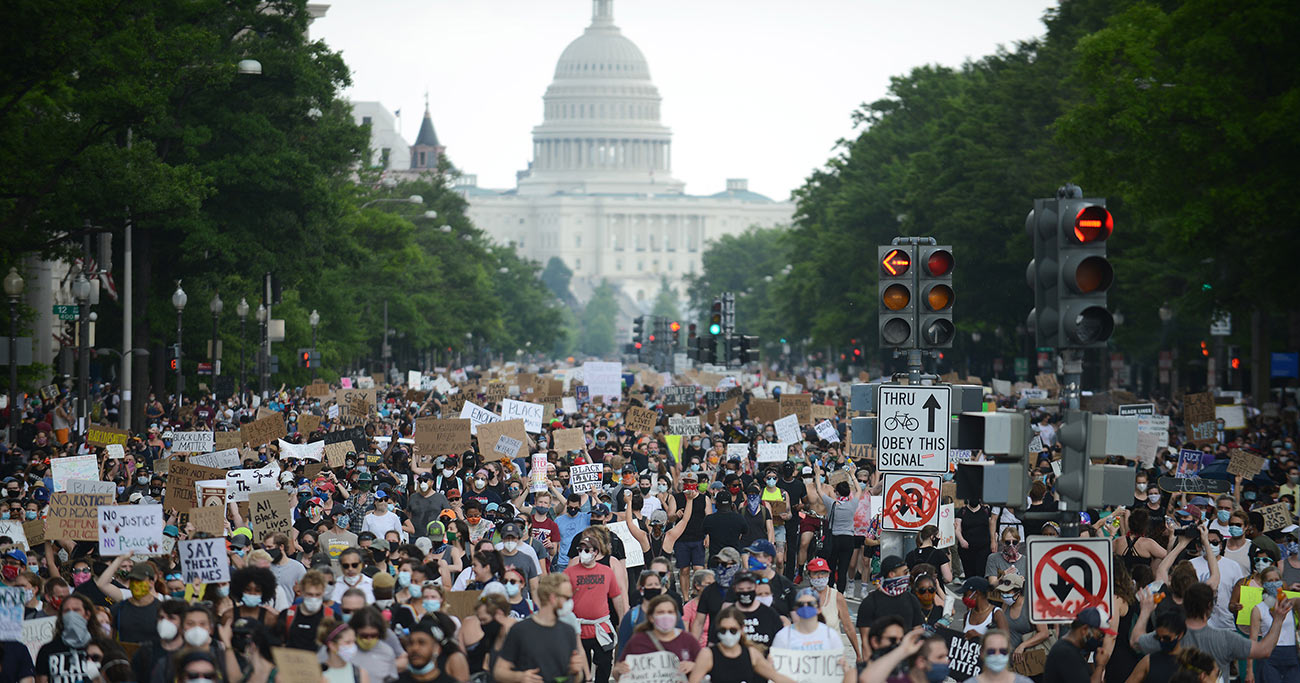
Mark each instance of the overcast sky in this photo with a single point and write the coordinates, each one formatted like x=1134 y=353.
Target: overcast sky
x=759 y=89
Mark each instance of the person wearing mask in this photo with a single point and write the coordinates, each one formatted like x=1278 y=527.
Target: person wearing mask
x=253 y=590
x=64 y=658
x=975 y=536
x=891 y=599
x=649 y=586
x=380 y=520
x=149 y=657
x=1009 y=559
x=926 y=552
x=544 y=528
x=761 y=621
x=725 y=528
x=137 y=617
x=807 y=632
x=427 y=503
x=712 y=595
x=576 y=518
x=541 y=647
x=688 y=546
x=1237 y=548
x=757 y=516
x=339 y=537
x=433 y=654
x=1160 y=666
x=1282 y=664
x=934 y=608
x=288 y=571
x=338 y=648
x=1022 y=635
x=660 y=631
x=733 y=659
x=595 y=586
x=841 y=509
x=762 y=556
x=373 y=655
x=995 y=655
x=981 y=615
x=297 y=625
x=519 y=556
x=1224 y=506
x=925 y=660
x=796 y=493
x=1067 y=661
x=835 y=608
x=1223 y=645
x=351 y=563
x=777 y=502
x=1133 y=546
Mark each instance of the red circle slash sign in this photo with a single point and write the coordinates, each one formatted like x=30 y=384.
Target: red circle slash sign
x=1060 y=594
x=911 y=502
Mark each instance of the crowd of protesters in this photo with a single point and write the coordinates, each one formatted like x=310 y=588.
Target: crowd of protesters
x=687 y=546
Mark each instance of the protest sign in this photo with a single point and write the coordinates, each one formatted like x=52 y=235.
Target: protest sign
x=963 y=654
x=1244 y=464
x=680 y=394
x=631 y=546
x=640 y=419
x=477 y=416
x=271 y=512
x=226 y=440
x=35 y=531
x=193 y=442
x=822 y=412
x=356 y=436
x=263 y=431
x=772 y=452
x=87 y=486
x=84 y=467
x=585 y=478
x=827 y=431
x=180 y=493
x=655 y=667
x=13 y=528
x=295 y=666
x=115 y=451
x=569 y=405
x=799 y=405
x=11 y=613
x=130 y=528
x=99 y=435
x=241 y=483
x=38 y=632
x=210 y=519
x=537 y=473
x=603 y=379
x=507 y=446
x=809 y=666
x=1189 y=463
x=1233 y=416
x=1198 y=418
x=74 y=516
x=530 y=413
x=317 y=389
x=738 y=450
x=204 y=561
x=764 y=410
x=211 y=492
x=566 y=440
x=222 y=459
x=787 y=430
x=308 y=423
x=308 y=451
x=357 y=403
x=684 y=426
x=489 y=435
x=1276 y=516
x=435 y=437
x=336 y=453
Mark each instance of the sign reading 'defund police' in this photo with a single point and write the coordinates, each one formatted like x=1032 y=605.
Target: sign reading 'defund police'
x=912 y=428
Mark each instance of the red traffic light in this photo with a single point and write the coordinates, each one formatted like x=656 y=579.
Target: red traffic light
x=652 y=337
x=939 y=263
x=674 y=326
x=638 y=344
x=857 y=352
x=1093 y=224
x=1236 y=363
x=172 y=364
x=896 y=262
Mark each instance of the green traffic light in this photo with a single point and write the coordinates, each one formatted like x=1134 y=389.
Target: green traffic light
x=782 y=340
x=715 y=329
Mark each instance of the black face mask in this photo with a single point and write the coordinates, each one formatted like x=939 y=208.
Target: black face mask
x=651 y=593
x=308 y=549
x=276 y=554
x=1091 y=644
x=574 y=511
x=645 y=490
x=746 y=597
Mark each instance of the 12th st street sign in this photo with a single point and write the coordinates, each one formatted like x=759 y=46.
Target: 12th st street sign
x=912 y=428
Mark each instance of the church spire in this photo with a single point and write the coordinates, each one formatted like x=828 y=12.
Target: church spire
x=602 y=12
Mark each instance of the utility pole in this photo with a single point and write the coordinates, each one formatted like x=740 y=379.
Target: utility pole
x=385 y=351
x=125 y=411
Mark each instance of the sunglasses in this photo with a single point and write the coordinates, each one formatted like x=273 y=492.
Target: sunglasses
x=199 y=675
x=83 y=570
x=925 y=590
x=350 y=565
x=998 y=651
x=805 y=604
x=729 y=631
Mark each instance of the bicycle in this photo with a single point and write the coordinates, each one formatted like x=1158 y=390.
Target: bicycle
x=902 y=420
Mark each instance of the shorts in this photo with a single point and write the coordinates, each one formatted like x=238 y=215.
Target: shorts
x=779 y=534
x=810 y=524
x=689 y=554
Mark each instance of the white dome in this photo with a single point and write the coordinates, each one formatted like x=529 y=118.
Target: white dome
x=602 y=52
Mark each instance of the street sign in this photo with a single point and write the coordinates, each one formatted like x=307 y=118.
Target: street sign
x=1221 y=326
x=1138 y=409
x=1069 y=575
x=912 y=428
x=67 y=312
x=911 y=501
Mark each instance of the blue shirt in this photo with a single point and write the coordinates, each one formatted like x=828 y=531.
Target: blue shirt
x=570 y=527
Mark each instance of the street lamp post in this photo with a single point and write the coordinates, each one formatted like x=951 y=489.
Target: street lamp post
x=215 y=306
x=241 y=309
x=81 y=290
x=14 y=290
x=314 y=321
x=178 y=300
x=262 y=359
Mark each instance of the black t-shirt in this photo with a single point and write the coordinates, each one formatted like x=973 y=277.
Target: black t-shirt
x=975 y=526
x=877 y=605
x=931 y=556
x=760 y=626
x=529 y=645
x=710 y=602
x=61 y=663
x=1033 y=527
x=755 y=525
x=301 y=629
x=796 y=491
x=136 y=624
x=725 y=529
x=1066 y=663
x=695 y=528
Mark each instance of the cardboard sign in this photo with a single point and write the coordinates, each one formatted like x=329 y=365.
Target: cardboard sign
x=530 y=413
x=204 y=561
x=356 y=402
x=799 y=405
x=822 y=412
x=85 y=486
x=180 y=493
x=308 y=423
x=680 y=395
x=827 y=431
x=655 y=667
x=242 y=483
x=684 y=426
x=490 y=434
x=507 y=446
x=38 y=632
x=1199 y=419
x=772 y=452
x=336 y=453
x=222 y=459
x=295 y=666
x=193 y=442
x=226 y=440
x=737 y=450
x=75 y=516
x=459 y=604
x=271 y=512
x=1244 y=464
x=1276 y=516
x=356 y=436
x=115 y=451
x=99 y=435
x=442 y=437
x=763 y=410
x=1047 y=381
x=130 y=528
x=35 y=531
x=14 y=530
x=641 y=420
x=603 y=379
x=585 y=478
x=263 y=431
x=787 y=430
x=84 y=467
x=210 y=518
x=565 y=440
x=317 y=390
x=809 y=666
x=477 y=416
x=308 y=451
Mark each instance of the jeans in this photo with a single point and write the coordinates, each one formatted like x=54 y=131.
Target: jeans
x=599 y=657
x=841 y=559
x=1283 y=666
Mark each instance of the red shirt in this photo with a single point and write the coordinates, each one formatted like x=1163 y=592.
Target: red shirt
x=685 y=646
x=592 y=590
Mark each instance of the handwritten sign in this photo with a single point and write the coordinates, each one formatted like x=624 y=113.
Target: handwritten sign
x=308 y=451
x=270 y=512
x=263 y=431
x=963 y=653
x=115 y=451
x=537 y=473
x=11 y=613
x=1276 y=516
x=680 y=395
x=827 y=432
x=1189 y=463
x=87 y=486
x=565 y=440
x=130 y=528
x=223 y=459
x=75 y=516
x=640 y=419
x=84 y=467
x=489 y=435
x=1199 y=418
x=787 y=430
x=809 y=666
x=102 y=436
x=585 y=478
x=193 y=442
x=441 y=437
x=180 y=493
x=226 y=440
x=477 y=416
x=1244 y=464
x=241 y=483
x=507 y=446
x=295 y=666
x=799 y=405
x=38 y=632
x=336 y=453
x=655 y=667
x=603 y=379
x=204 y=561
x=684 y=426
x=631 y=546
x=530 y=413
x=772 y=452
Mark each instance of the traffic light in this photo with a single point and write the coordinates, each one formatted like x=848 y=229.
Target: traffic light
x=308 y=358
x=706 y=349
x=715 y=318
x=1086 y=274
x=1084 y=436
x=676 y=328
x=897 y=313
x=638 y=331
x=1043 y=276
x=173 y=357
x=742 y=349
x=934 y=275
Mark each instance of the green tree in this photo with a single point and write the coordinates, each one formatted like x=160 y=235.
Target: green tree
x=750 y=265
x=598 y=322
x=665 y=304
x=557 y=276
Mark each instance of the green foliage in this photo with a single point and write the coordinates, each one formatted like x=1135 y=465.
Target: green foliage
x=666 y=301
x=598 y=321
x=751 y=265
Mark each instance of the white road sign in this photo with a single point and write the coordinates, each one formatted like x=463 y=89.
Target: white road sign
x=912 y=425
x=1067 y=575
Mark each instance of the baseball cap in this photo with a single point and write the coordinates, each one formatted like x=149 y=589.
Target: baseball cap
x=380 y=544
x=890 y=563
x=729 y=555
x=381 y=495
x=723 y=498
x=1095 y=617
x=762 y=547
x=659 y=517
x=1011 y=582
x=142 y=571
x=18 y=554
x=511 y=530
x=978 y=584
x=818 y=564
x=136 y=497
x=436 y=529
x=383 y=579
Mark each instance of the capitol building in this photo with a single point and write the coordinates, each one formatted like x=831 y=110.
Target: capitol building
x=599 y=192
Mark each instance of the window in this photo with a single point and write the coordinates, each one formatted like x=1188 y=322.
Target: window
x=421 y=159
x=383 y=157
x=577 y=241
x=640 y=266
x=365 y=120
x=577 y=264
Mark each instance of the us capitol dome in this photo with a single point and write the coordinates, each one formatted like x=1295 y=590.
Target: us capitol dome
x=599 y=192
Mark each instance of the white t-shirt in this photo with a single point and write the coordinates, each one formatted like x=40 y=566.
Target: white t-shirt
x=822 y=638
x=1287 y=636
x=381 y=524
x=1229 y=574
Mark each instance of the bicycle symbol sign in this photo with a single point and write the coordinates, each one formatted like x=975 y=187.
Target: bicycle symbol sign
x=914 y=424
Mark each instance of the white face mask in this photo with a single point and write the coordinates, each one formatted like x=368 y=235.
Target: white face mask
x=197 y=636
x=1153 y=497
x=566 y=609
x=729 y=639
x=312 y=605
x=166 y=629
x=347 y=652
x=351 y=580
x=510 y=546
x=586 y=557
x=765 y=600
x=424 y=486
